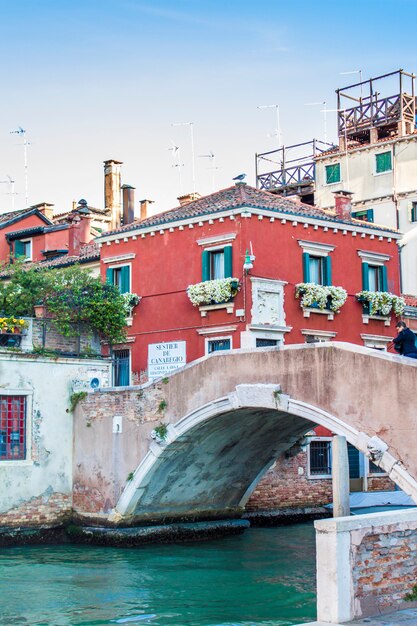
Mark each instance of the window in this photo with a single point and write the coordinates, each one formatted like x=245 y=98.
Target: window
x=317 y=262
x=332 y=174
x=23 y=248
x=383 y=162
x=266 y=343
x=12 y=428
x=120 y=277
x=320 y=458
x=413 y=212
x=121 y=368
x=317 y=336
x=365 y=216
x=374 y=277
x=215 y=345
x=317 y=269
x=217 y=263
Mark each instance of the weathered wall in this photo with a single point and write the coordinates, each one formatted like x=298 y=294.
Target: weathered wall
x=38 y=489
x=365 y=564
x=46 y=336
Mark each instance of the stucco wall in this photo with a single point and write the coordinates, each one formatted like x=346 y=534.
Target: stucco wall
x=38 y=489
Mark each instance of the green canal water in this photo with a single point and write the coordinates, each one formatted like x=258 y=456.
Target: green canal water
x=264 y=577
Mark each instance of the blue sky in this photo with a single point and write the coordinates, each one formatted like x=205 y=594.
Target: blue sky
x=92 y=80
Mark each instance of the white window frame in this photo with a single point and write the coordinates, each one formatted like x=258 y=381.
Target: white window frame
x=207 y=341
x=120 y=265
x=373 y=258
x=130 y=368
x=316 y=249
x=30 y=242
x=386 y=171
x=321 y=335
x=379 y=342
x=319 y=476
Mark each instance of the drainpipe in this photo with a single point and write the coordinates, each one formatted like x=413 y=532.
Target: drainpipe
x=397 y=216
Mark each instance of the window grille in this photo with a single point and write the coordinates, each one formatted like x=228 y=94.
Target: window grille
x=320 y=458
x=12 y=428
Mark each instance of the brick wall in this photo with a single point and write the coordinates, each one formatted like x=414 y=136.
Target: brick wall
x=365 y=565
x=283 y=486
x=49 y=508
x=45 y=335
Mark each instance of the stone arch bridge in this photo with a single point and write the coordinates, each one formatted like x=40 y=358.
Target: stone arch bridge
x=229 y=416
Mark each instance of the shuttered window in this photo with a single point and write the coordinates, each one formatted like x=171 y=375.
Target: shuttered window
x=120 y=277
x=383 y=162
x=217 y=264
x=23 y=249
x=317 y=269
x=332 y=173
x=365 y=216
x=374 y=277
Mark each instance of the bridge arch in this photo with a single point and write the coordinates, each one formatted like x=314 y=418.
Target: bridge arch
x=214 y=456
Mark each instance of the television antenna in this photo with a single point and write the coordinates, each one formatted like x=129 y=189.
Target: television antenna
x=10 y=182
x=22 y=132
x=277 y=133
x=191 y=125
x=176 y=155
x=212 y=167
x=324 y=111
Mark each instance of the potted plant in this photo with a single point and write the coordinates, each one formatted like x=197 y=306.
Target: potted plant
x=380 y=303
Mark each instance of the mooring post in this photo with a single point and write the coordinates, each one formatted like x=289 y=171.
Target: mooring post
x=340 y=476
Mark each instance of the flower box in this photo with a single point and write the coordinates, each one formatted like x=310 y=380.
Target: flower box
x=322 y=298
x=380 y=303
x=213 y=292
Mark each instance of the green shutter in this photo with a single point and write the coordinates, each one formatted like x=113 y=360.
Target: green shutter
x=332 y=174
x=327 y=261
x=228 y=262
x=370 y=215
x=383 y=162
x=365 y=276
x=110 y=276
x=384 y=278
x=205 y=262
x=19 y=248
x=306 y=267
x=125 y=279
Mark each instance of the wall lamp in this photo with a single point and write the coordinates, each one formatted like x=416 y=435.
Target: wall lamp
x=249 y=259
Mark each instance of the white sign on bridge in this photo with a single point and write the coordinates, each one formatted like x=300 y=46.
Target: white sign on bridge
x=164 y=358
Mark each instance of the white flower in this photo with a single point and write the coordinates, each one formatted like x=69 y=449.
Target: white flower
x=130 y=300
x=382 y=302
x=213 y=291
x=321 y=296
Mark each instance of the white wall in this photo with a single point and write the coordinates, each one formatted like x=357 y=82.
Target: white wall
x=48 y=385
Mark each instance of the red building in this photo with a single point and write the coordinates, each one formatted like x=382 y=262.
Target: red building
x=268 y=244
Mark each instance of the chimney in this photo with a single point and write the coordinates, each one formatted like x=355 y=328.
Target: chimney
x=144 y=209
x=343 y=204
x=112 y=185
x=45 y=208
x=188 y=197
x=80 y=228
x=128 y=204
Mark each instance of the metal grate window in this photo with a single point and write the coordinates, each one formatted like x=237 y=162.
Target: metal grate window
x=265 y=343
x=214 y=345
x=320 y=458
x=12 y=427
x=121 y=368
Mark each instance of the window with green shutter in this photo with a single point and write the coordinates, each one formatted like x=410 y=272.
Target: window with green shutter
x=332 y=173
x=23 y=249
x=120 y=277
x=413 y=212
x=383 y=162
x=217 y=264
x=365 y=216
x=317 y=269
x=374 y=277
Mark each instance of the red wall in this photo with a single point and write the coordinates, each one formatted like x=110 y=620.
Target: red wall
x=27 y=222
x=165 y=264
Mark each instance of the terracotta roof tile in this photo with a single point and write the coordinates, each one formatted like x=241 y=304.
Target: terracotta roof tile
x=235 y=197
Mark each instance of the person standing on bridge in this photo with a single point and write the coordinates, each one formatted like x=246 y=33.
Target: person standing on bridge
x=404 y=342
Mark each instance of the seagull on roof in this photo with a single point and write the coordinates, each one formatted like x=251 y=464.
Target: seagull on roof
x=240 y=177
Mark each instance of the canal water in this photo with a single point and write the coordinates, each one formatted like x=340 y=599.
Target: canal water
x=265 y=577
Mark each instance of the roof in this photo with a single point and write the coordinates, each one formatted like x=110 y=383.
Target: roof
x=15 y=216
x=239 y=196
x=88 y=253
x=410 y=300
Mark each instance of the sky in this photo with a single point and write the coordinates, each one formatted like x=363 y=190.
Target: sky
x=91 y=80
